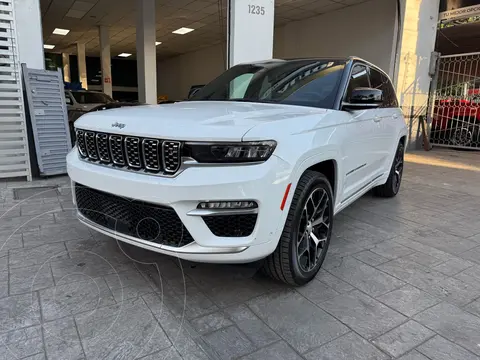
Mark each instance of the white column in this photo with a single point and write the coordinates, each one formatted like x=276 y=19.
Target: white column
x=28 y=25
x=250 y=30
x=105 y=60
x=146 y=52
x=82 y=65
x=418 y=31
x=66 y=67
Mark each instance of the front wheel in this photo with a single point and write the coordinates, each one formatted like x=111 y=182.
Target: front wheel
x=306 y=234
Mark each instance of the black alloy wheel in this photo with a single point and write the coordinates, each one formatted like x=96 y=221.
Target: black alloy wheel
x=392 y=186
x=306 y=235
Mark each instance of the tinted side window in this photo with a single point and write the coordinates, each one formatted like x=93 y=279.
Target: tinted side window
x=359 y=78
x=393 y=102
x=380 y=81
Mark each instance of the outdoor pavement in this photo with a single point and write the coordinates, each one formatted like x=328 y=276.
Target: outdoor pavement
x=401 y=280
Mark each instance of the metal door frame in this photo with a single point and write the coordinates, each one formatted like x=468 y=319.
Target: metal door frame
x=456 y=122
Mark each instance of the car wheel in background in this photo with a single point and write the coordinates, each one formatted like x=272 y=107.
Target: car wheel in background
x=392 y=186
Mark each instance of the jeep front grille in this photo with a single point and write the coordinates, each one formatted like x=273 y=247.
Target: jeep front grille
x=130 y=152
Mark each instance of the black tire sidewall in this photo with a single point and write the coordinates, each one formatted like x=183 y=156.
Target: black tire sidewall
x=302 y=277
x=400 y=148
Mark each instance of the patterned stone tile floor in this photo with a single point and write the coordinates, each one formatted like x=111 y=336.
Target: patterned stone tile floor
x=401 y=281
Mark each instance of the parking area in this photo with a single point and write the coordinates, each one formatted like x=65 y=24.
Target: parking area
x=401 y=280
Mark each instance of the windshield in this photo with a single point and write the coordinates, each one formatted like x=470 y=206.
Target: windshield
x=91 y=98
x=298 y=82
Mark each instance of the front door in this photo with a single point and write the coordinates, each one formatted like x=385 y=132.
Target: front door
x=361 y=148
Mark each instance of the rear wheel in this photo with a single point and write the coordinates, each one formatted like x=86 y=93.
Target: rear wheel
x=306 y=234
x=392 y=186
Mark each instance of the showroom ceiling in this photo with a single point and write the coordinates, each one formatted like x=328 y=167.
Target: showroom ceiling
x=82 y=18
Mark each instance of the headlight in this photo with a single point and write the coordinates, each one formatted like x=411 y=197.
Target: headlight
x=242 y=152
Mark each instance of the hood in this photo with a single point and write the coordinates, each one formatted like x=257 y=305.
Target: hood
x=191 y=120
x=88 y=107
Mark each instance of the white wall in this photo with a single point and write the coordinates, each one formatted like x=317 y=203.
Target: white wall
x=28 y=25
x=176 y=75
x=366 y=30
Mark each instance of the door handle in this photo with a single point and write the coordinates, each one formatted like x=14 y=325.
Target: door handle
x=377 y=118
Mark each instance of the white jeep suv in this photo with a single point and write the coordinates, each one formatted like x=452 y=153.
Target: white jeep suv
x=255 y=165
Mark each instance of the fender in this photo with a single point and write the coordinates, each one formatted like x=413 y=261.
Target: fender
x=298 y=171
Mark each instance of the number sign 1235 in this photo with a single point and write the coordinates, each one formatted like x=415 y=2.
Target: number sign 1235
x=256 y=10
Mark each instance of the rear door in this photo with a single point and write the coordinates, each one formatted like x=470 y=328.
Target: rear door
x=360 y=148
x=387 y=119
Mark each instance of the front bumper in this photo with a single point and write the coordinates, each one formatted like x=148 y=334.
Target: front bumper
x=264 y=183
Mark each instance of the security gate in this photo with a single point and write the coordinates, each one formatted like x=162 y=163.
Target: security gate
x=455 y=102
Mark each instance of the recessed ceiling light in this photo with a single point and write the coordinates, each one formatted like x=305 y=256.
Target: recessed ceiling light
x=182 y=31
x=157 y=43
x=124 y=55
x=63 y=32
x=49 y=47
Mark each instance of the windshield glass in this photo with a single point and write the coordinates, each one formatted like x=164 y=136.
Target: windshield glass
x=298 y=82
x=91 y=98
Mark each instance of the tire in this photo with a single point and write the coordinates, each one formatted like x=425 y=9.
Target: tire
x=463 y=132
x=392 y=186
x=284 y=264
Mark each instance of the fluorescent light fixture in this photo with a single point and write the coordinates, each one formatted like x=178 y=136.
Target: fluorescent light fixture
x=157 y=43
x=124 y=55
x=49 y=47
x=63 y=32
x=182 y=31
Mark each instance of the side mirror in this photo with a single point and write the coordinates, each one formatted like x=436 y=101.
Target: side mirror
x=68 y=101
x=364 y=98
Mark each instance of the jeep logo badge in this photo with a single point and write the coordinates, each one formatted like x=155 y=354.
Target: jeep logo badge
x=119 y=125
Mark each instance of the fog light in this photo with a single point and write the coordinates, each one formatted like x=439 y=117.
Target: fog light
x=228 y=205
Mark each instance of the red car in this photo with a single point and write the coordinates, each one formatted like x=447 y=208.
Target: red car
x=457 y=121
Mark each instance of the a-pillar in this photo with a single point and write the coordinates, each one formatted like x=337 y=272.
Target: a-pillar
x=82 y=65
x=418 y=29
x=146 y=52
x=105 y=60
x=250 y=31
x=66 y=67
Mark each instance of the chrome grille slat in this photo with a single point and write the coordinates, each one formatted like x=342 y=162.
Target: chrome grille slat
x=132 y=153
x=115 y=143
x=102 y=147
x=91 y=145
x=151 y=156
x=171 y=155
x=82 y=147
